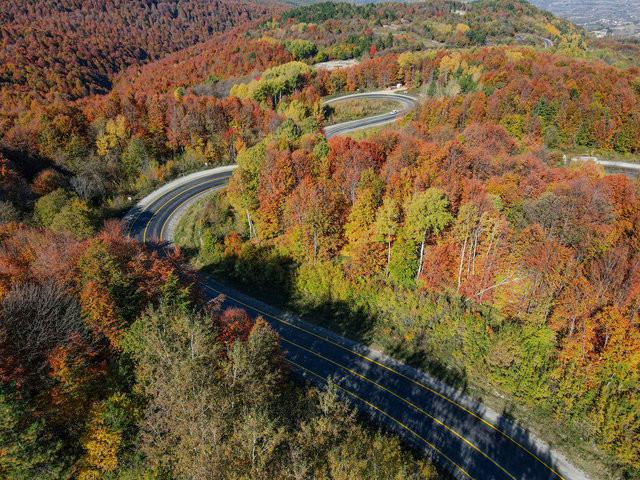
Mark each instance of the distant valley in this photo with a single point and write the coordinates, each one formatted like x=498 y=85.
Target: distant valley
x=617 y=18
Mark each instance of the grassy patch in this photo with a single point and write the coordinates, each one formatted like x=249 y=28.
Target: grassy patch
x=365 y=133
x=189 y=230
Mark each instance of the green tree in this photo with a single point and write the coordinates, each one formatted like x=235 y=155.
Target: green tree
x=387 y=223
x=76 y=218
x=243 y=186
x=366 y=455
x=289 y=130
x=427 y=214
x=177 y=362
x=403 y=262
x=275 y=82
x=8 y=212
x=212 y=406
x=301 y=49
x=135 y=158
x=48 y=206
x=27 y=448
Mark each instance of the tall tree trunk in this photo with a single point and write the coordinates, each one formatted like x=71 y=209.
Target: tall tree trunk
x=464 y=248
x=421 y=255
x=386 y=271
x=315 y=246
x=252 y=232
x=573 y=324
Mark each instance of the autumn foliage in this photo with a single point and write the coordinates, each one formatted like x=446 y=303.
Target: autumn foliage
x=78 y=47
x=64 y=305
x=551 y=250
x=459 y=235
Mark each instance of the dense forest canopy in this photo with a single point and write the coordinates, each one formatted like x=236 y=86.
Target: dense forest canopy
x=329 y=31
x=76 y=48
x=457 y=238
x=94 y=336
x=458 y=235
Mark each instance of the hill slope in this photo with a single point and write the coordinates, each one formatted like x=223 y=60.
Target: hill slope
x=75 y=47
x=531 y=284
x=330 y=31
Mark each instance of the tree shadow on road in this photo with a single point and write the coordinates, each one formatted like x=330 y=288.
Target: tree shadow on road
x=270 y=278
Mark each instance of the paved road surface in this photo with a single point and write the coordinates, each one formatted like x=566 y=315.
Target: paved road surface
x=407 y=103
x=631 y=170
x=548 y=43
x=463 y=436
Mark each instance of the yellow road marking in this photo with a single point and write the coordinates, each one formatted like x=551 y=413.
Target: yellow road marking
x=391 y=370
x=362 y=376
x=453 y=402
x=144 y=235
x=384 y=413
x=406 y=401
x=174 y=211
x=148 y=205
x=131 y=224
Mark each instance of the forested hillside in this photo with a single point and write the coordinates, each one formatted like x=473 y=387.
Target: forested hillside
x=223 y=59
x=342 y=30
x=107 y=353
x=75 y=48
x=456 y=239
x=329 y=31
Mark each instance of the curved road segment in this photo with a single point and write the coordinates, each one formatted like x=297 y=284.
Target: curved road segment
x=406 y=102
x=460 y=434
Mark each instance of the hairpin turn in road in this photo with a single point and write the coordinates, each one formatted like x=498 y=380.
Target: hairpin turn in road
x=466 y=438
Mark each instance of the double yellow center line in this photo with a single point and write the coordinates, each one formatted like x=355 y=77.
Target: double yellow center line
x=350 y=351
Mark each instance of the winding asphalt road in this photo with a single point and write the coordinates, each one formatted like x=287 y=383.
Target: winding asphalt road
x=406 y=102
x=464 y=437
x=548 y=43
